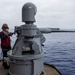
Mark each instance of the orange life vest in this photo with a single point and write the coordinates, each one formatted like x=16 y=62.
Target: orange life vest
x=5 y=42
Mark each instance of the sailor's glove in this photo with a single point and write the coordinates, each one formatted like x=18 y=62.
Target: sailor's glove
x=10 y=34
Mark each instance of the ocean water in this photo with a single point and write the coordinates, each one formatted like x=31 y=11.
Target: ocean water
x=59 y=50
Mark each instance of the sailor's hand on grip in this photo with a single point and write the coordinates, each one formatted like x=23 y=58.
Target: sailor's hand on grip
x=10 y=34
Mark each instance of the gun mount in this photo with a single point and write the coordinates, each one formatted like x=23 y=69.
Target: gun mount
x=26 y=57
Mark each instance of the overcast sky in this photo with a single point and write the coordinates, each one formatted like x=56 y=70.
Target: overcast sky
x=50 y=13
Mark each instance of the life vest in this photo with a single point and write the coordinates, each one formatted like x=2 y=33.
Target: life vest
x=5 y=42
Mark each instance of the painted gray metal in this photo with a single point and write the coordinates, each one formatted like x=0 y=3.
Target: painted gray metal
x=28 y=12
x=26 y=58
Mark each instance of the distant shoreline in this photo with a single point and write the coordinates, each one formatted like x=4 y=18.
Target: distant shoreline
x=62 y=31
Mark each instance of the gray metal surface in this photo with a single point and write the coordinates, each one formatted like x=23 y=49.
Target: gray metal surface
x=26 y=58
x=28 y=12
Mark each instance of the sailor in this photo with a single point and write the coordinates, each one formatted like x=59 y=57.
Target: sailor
x=5 y=43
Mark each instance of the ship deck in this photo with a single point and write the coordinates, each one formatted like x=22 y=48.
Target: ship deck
x=48 y=70
x=51 y=70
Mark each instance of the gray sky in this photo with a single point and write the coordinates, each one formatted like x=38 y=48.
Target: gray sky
x=50 y=13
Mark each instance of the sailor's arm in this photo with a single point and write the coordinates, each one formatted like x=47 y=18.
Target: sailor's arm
x=3 y=36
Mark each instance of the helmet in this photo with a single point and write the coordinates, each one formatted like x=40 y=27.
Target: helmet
x=5 y=26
